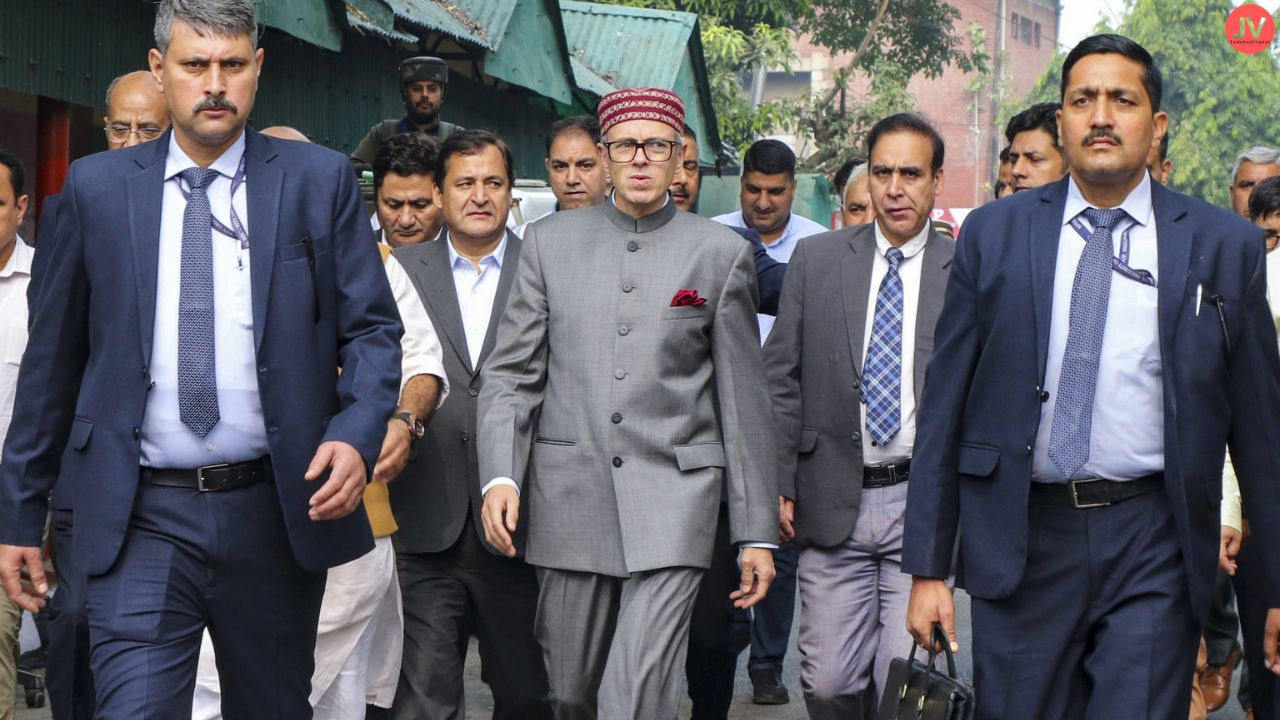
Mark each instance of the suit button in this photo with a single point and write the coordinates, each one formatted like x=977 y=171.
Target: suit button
x=144 y=371
x=617 y=462
x=1028 y=449
x=619 y=373
x=1044 y=396
x=466 y=436
x=628 y=287
x=473 y=392
x=137 y=434
x=623 y=330
x=616 y=418
x=633 y=246
x=855 y=383
x=856 y=437
x=262 y=370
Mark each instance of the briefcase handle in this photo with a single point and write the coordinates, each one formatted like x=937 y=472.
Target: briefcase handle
x=940 y=639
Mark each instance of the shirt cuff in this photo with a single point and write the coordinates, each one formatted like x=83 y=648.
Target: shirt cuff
x=771 y=546
x=499 y=481
x=1231 y=502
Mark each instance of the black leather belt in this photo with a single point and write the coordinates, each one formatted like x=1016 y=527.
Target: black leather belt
x=1094 y=492
x=878 y=476
x=212 y=478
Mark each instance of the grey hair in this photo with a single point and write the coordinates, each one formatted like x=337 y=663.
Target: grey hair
x=220 y=18
x=857 y=172
x=106 y=103
x=1260 y=154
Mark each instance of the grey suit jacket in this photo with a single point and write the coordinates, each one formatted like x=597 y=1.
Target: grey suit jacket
x=441 y=483
x=628 y=413
x=814 y=361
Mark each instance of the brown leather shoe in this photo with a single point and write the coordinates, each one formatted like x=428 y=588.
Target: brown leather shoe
x=1215 y=682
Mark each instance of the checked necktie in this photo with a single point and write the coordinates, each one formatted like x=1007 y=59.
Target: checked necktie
x=1073 y=412
x=882 y=369
x=197 y=368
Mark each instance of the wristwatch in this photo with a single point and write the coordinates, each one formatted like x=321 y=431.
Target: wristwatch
x=416 y=428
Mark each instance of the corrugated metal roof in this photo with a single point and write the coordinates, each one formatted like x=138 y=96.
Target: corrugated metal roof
x=482 y=22
x=374 y=17
x=307 y=20
x=532 y=53
x=627 y=46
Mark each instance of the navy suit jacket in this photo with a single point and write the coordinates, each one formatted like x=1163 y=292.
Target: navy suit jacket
x=769 y=272
x=84 y=379
x=981 y=406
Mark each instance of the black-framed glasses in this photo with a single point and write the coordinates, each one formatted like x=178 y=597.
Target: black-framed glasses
x=655 y=149
x=118 y=132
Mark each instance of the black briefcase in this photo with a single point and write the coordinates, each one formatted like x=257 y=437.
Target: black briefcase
x=916 y=691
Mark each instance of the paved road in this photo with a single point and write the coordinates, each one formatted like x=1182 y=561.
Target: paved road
x=480 y=704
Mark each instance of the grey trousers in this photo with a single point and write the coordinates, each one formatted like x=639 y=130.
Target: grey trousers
x=615 y=647
x=10 y=622
x=853 y=609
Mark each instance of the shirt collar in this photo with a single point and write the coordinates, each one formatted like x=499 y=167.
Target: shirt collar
x=648 y=223
x=226 y=164
x=20 y=260
x=1137 y=205
x=496 y=256
x=910 y=248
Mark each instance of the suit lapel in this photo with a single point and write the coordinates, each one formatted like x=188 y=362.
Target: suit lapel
x=510 y=264
x=144 y=191
x=1173 y=249
x=933 y=288
x=855 y=274
x=263 y=183
x=435 y=283
x=1043 y=234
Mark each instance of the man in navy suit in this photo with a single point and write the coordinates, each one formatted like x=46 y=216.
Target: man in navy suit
x=181 y=384
x=1102 y=341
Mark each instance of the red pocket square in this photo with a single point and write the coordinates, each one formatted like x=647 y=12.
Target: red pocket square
x=687 y=298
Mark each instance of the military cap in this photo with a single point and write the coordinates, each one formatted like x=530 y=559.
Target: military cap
x=424 y=67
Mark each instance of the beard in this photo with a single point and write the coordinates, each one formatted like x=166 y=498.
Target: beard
x=422 y=117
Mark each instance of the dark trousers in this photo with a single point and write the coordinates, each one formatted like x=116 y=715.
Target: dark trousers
x=1101 y=625
x=1251 y=598
x=69 y=677
x=191 y=559
x=771 y=628
x=1223 y=624
x=715 y=640
x=450 y=595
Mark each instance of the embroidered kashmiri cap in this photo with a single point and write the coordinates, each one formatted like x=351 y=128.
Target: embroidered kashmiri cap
x=647 y=103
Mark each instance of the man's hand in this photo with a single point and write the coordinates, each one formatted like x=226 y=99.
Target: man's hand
x=1228 y=548
x=395 y=452
x=1269 y=640
x=786 y=518
x=341 y=493
x=28 y=595
x=930 y=603
x=757 y=574
x=499 y=516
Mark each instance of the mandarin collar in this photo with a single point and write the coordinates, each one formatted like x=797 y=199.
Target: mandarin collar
x=648 y=223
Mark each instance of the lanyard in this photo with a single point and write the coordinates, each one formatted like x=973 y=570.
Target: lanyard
x=1120 y=264
x=236 y=231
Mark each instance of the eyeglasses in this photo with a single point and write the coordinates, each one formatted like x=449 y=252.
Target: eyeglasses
x=120 y=133
x=655 y=150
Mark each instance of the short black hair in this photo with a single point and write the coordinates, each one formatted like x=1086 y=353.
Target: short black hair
x=842 y=175
x=1041 y=116
x=405 y=154
x=908 y=122
x=1004 y=154
x=470 y=142
x=688 y=132
x=769 y=157
x=1164 y=146
x=1265 y=199
x=16 y=173
x=582 y=123
x=1121 y=45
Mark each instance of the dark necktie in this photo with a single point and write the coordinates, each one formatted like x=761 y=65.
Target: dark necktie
x=197 y=366
x=882 y=370
x=1073 y=412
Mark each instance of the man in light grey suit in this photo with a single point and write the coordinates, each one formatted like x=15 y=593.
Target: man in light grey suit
x=846 y=363
x=627 y=381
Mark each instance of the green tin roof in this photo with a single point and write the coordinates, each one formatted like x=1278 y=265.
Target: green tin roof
x=374 y=17
x=307 y=20
x=482 y=22
x=533 y=52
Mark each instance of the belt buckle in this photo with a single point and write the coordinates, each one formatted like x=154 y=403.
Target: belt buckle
x=200 y=475
x=893 y=473
x=1075 y=496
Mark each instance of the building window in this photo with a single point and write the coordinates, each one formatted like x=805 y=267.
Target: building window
x=1037 y=34
x=1026 y=30
x=1015 y=27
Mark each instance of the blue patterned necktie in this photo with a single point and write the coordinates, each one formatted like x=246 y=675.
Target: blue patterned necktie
x=197 y=367
x=1073 y=412
x=882 y=369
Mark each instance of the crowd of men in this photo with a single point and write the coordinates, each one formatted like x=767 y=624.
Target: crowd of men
x=288 y=476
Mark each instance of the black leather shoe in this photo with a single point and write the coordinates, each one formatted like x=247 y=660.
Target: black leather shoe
x=767 y=688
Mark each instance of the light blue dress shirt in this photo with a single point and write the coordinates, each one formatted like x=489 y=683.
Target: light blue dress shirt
x=1127 y=436
x=241 y=433
x=476 y=290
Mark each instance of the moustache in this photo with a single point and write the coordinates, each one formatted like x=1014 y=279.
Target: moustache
x=1100 y=134
x=216 y=103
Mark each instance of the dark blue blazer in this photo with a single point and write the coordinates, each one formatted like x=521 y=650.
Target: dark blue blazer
x=84 y=380
x=769 y=272
x=981 y=407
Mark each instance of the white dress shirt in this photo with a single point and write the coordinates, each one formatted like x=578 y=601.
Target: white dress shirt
x=899 y=448
x=1127 y=435
x=420 y=350
x=14 y=278
x=477 y=289
x=780 y=249
x=240 y=434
